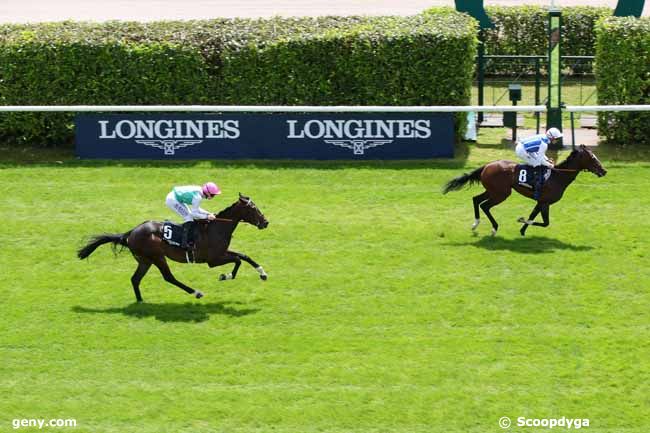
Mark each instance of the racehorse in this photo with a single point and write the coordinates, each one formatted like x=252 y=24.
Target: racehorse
x=500 y=177
x=148 y=248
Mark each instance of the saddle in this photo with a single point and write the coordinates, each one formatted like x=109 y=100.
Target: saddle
x=527 y=175
x=179 y=235
x=532 y=177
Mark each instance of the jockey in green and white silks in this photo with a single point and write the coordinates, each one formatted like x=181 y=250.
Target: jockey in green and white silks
x=186 y=200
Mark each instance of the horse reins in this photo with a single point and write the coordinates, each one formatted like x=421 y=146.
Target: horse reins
x=223 y=219
x=566 y=169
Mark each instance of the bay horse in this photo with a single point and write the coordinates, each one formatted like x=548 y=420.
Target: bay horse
x=211 y=245
x=499 y=178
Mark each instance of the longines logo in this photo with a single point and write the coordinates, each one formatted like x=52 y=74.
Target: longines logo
x=359 y=135
x=169 y=146
x=358 y=146
x=169 y=135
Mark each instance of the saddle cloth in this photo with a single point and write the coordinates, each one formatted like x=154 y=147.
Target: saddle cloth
x=526 y=174
x=172 y=233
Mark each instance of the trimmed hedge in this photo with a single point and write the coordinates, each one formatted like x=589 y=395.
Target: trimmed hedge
x=522 y=30
x=420 y=60
x=417 y=60
x=42 y=74
x=623 y=77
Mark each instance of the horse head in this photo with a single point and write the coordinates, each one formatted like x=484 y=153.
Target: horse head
x=586 y=160
x=245 y=210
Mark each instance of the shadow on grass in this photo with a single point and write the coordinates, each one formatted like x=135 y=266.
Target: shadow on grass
x=525 y=245
x=172 y=312
x=12 y=157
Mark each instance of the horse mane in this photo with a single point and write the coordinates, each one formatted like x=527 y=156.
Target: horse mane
x=226 y=211
x=568 y=159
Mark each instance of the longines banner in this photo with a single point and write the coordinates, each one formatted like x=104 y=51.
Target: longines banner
x=271 y=136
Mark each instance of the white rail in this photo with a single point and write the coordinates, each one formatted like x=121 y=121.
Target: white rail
x=314 y=109
x=271 y=108
x=589 y=108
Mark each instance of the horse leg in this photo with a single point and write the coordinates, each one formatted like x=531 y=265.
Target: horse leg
x=163 y=267
x=143 y=267
x=253 y=263
x=477 y=200
x=486 y=206
x=529 y=221
x=546 y=219
x=230 y=258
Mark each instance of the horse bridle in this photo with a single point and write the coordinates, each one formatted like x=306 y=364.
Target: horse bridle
x=569 y=169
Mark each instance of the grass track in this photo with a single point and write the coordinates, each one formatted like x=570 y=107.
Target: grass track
x=382 y=313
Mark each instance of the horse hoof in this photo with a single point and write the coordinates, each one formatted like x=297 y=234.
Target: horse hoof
x=263 y=277
x=198 y=294
x=521 y=220
x=494 y=232
x=475 y=224
x=224 y=277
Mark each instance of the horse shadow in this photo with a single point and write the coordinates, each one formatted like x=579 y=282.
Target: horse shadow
x=173 y=312
x=524 y=245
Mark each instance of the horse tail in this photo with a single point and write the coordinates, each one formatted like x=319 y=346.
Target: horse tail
x=96 y=241
x=458 y=182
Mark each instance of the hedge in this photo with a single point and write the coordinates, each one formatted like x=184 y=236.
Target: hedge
x=623 y=77
x=523 y=30
x=421 y=60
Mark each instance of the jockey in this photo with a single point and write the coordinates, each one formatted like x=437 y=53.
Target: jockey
x=186 y=202
x=532 y=150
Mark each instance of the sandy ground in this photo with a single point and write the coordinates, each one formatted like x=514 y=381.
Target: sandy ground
x=151 y=10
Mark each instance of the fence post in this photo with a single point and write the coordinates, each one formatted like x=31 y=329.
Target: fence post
x=554 y=104
x=537 y=89
x=481 y=72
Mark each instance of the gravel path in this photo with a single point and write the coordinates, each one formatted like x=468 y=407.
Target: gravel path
x=150 y=10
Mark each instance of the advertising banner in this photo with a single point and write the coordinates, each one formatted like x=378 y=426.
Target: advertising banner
x=265 y=136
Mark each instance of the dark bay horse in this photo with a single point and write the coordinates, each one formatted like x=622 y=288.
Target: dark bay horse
x=499 y=178
x=148 y=248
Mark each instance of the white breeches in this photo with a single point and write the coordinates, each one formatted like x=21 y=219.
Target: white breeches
x=178 y=207
x=533 y=158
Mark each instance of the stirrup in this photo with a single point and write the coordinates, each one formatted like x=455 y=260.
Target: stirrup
x=185 y=242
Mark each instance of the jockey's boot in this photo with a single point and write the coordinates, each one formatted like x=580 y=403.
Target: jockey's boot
x=539 y=181
x=187 y=241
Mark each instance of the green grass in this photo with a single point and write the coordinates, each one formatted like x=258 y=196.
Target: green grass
x=382 y=313
x=574 y=91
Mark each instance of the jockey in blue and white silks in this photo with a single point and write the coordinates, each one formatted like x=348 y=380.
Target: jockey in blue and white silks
x=532 y=150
